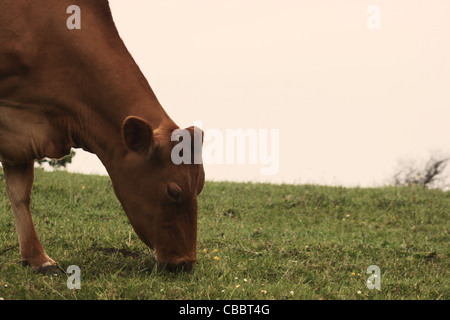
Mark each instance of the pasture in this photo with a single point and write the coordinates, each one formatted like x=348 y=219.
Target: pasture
x=255 y=241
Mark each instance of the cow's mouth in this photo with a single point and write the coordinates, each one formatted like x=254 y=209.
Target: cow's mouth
x=179 y=265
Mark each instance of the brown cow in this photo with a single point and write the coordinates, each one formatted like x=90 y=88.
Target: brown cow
x=63 y=89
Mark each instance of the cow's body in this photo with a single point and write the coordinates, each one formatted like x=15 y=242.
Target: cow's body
x=62 y=88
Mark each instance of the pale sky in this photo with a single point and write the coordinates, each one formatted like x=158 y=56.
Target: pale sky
x=348 y=102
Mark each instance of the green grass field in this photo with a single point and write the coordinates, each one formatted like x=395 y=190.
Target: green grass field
x=255 y=241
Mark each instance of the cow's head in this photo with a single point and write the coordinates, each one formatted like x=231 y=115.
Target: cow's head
x=160 y=196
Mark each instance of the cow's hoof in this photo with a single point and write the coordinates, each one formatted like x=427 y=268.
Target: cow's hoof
x=48 y=270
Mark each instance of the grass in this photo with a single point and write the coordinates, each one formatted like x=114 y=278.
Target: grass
x=255 y=241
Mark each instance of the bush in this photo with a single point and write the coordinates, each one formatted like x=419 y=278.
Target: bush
x=58 y=163
x=432 y=174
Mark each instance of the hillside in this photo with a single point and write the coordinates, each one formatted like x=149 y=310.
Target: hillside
x=255 y=241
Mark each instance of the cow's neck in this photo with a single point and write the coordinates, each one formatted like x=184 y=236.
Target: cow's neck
x=107 y=97
x=124 y=93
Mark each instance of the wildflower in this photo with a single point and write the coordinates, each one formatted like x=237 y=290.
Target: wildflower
x=359 y=292
x=82 y=187
x=204 y=250
x=291 y=292
x=245 y=280
x=216 y=258
x=353 y=273
x=238 y=285
x=263 y=291
x=215 y=250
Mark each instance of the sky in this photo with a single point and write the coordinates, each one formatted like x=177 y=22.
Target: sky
x=347 y=91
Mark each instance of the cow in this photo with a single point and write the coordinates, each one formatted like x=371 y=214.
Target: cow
x=63 y=88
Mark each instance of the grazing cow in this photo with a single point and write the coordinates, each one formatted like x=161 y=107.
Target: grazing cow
x=63 y=88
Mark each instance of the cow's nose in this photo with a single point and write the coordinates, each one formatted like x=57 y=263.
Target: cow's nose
x=184 y=265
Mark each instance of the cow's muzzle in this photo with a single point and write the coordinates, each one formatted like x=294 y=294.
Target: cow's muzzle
x=182 y=265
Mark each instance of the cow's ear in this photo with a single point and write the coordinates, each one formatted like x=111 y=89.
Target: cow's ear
x=138 y=136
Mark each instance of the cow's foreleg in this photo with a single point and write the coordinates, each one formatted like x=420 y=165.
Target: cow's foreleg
x=19 y=182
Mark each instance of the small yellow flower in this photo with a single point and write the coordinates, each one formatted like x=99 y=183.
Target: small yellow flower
x=215 y=250
x=82 y=188
x=238 y=285
x=353 y=273
x=263 y=291
x=204 y=250
x=216 y=258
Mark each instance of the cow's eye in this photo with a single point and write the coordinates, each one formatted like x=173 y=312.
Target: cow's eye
x=174 y=192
